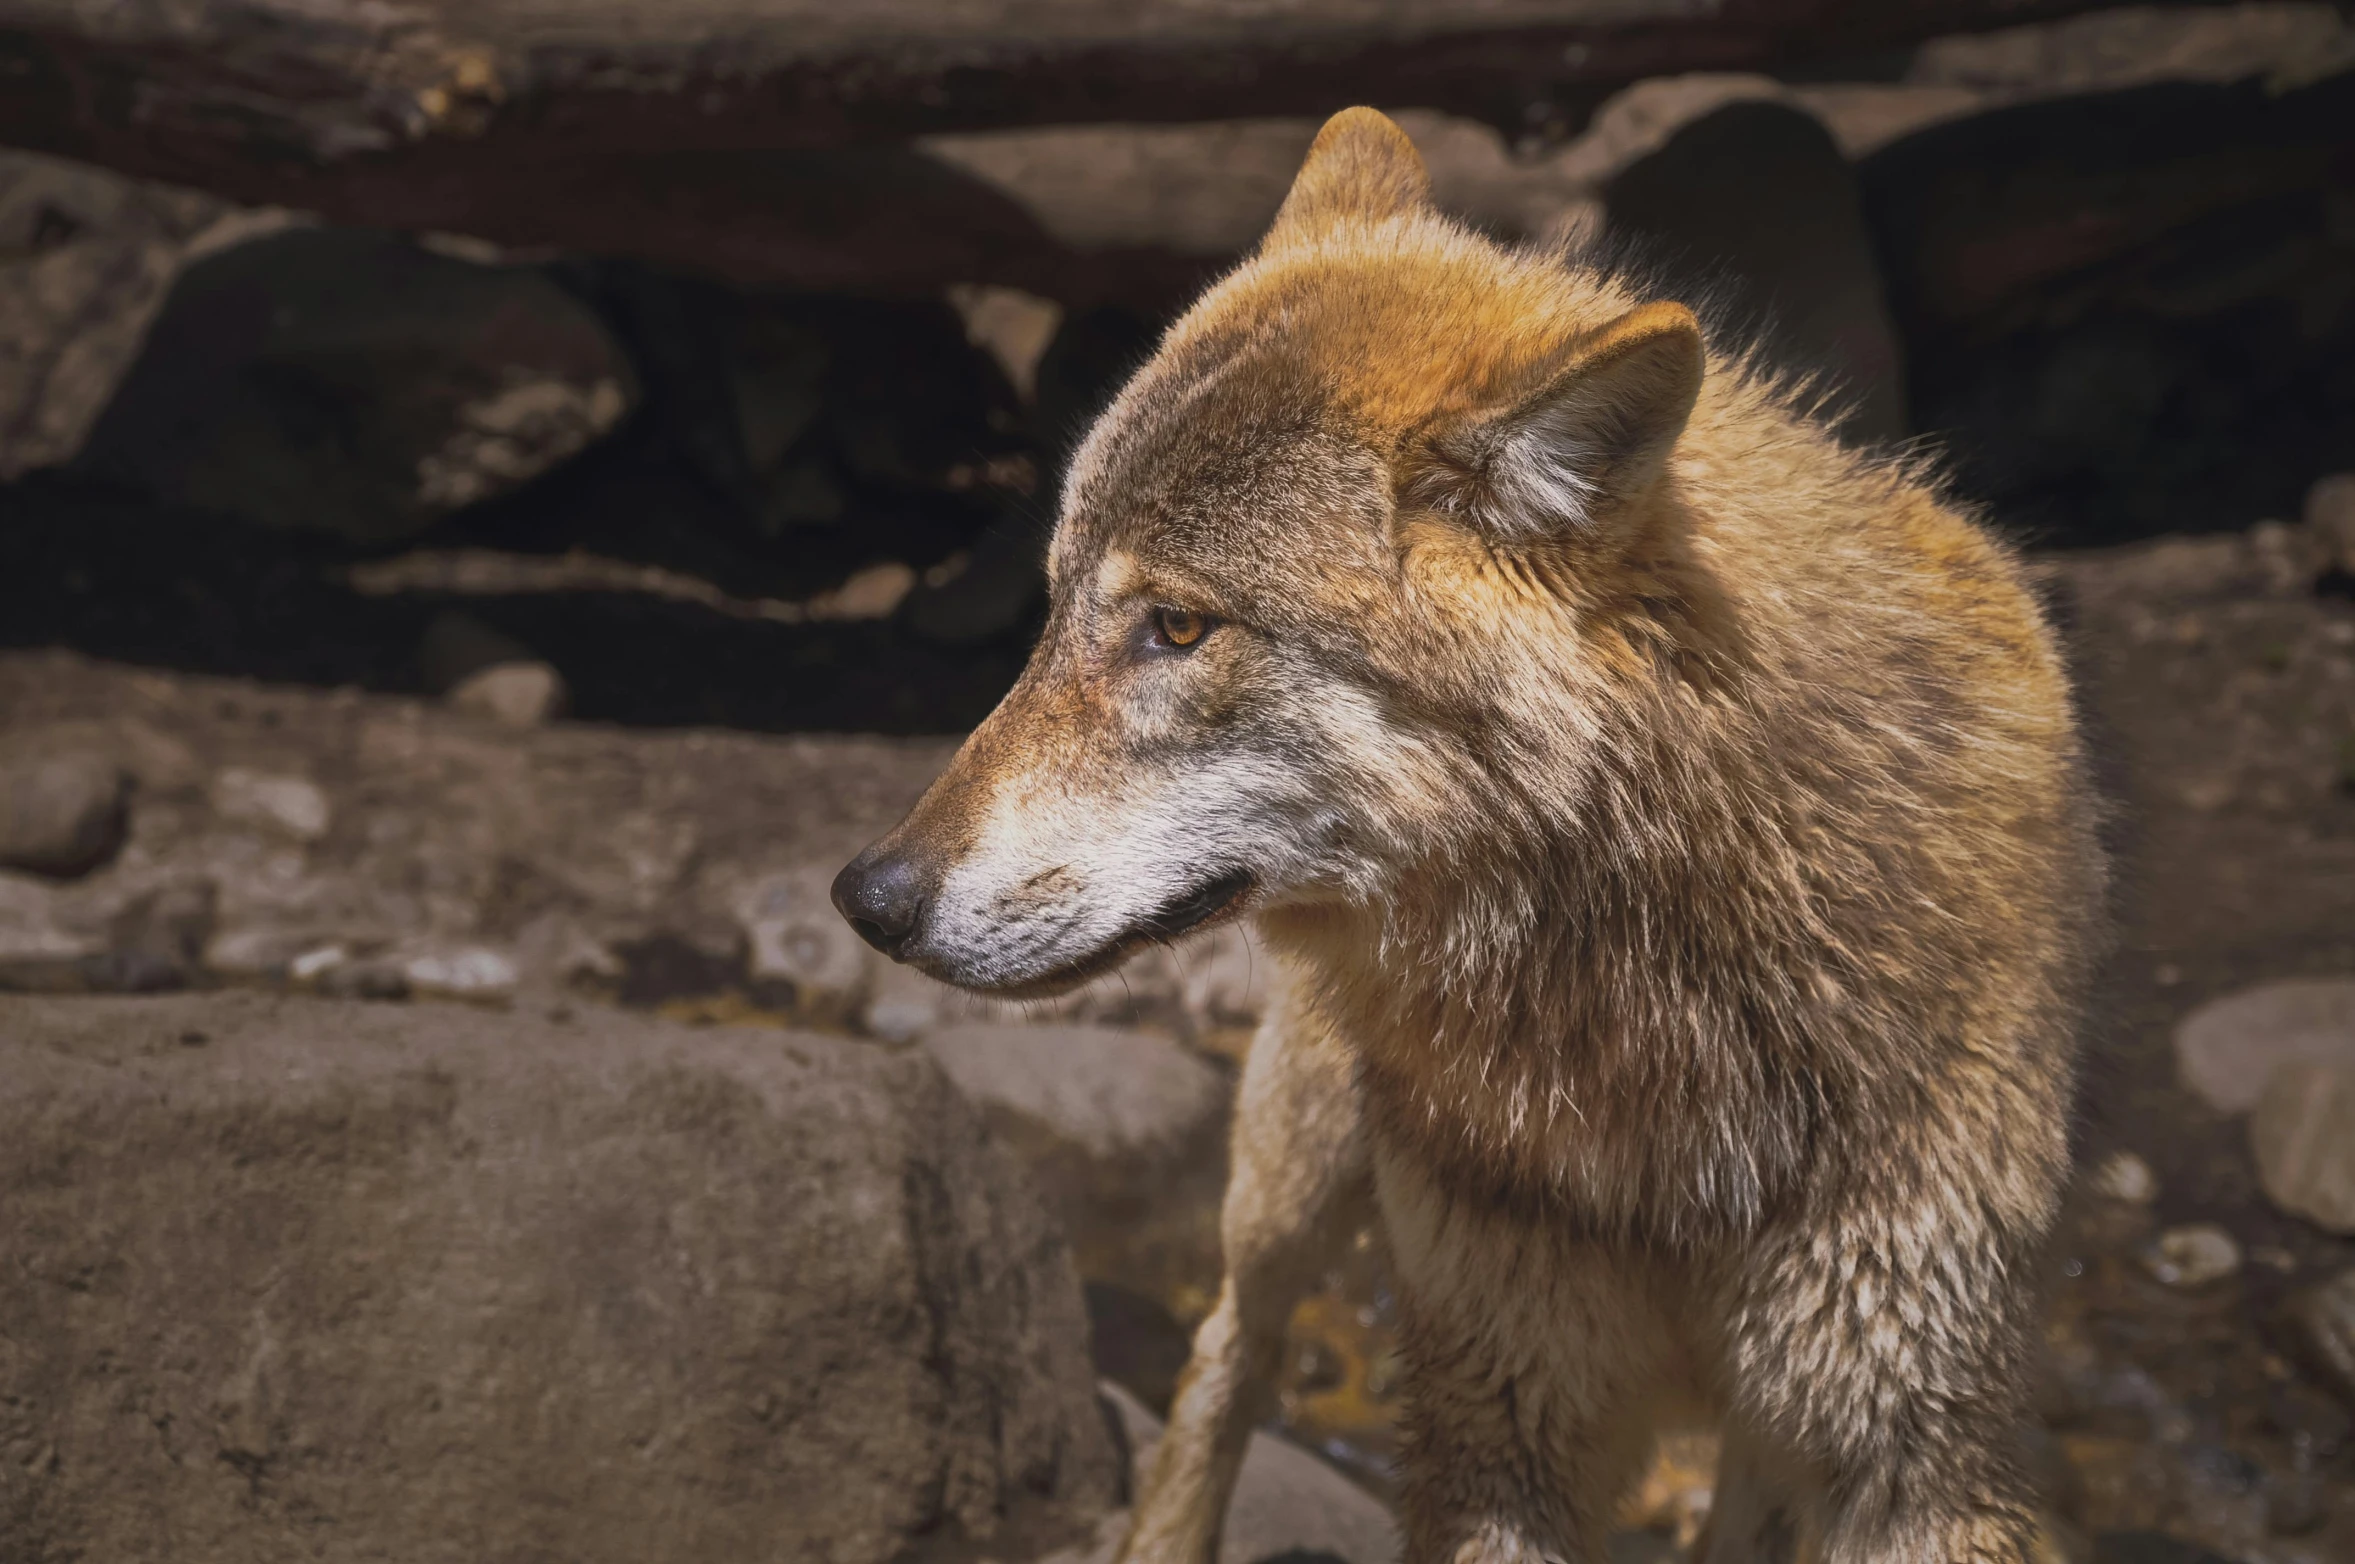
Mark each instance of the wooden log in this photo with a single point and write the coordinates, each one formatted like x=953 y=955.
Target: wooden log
x=769 y=141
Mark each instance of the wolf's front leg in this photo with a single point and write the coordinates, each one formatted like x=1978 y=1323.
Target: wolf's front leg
x=1888 y=1351
x=1298 y=1190
x=1537 y=1364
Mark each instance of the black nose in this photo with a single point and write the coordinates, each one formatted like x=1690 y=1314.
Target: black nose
x=883 y=897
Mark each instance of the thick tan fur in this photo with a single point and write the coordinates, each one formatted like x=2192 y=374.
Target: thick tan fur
x=1672 y=830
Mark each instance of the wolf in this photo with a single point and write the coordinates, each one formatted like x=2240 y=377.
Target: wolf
x=1672 y=830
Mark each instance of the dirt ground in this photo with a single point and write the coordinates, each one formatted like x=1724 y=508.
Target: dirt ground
x=2219 y=687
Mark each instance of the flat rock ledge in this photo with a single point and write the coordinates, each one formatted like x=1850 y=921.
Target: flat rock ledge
x=299 y=1278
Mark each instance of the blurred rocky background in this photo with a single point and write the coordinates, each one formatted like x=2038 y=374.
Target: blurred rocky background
x=497 y=503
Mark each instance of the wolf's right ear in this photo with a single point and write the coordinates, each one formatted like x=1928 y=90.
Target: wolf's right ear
x=1361 y=167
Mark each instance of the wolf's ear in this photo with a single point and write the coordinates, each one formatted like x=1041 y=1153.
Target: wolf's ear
x=1361 y=167
x=1592 y=432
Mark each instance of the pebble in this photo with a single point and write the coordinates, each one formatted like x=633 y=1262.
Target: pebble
x=793 y=935
x=2296 y=1505
x=514 y=695
x=2227 y=1049
x=2303 y=1134
x=2192 y=1256
x=157 y=942
x=2322 y=1328
x=2125 y=1177
x=290 y=804
x=466 y=972
x=62 y=816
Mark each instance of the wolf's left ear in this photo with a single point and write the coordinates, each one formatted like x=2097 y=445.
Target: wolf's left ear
x=1592 y=433
x=1362 y=167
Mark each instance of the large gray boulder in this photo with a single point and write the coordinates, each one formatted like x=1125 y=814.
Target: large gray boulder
x=297 y=1279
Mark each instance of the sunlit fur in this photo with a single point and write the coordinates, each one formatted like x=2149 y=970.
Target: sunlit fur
x=1672 y=829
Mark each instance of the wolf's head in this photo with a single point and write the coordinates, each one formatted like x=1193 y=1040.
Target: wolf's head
x=1329 y=579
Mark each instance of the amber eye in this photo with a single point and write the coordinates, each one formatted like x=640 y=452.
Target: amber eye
x=1179 y=627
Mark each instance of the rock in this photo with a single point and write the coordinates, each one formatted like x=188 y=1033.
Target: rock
x=2296 y=1505
x=2226 y=1050
x=795 y=937
x=1753 y=206
x=873 y=592
x=2124 y=1177
x=339 y=1283
x=2073 y=281
x=62 y=815
x=2192 y=1256
x=1011 y=326
x=293 y=806
x=462 y=972
x=357 y=384
x=2303 y=1134
x=517 y=695
x=1287 y=1504
x=1101 y=1116
x=158 y=941
x=2321 y=1320
x=2330 y=525
x=86 y=258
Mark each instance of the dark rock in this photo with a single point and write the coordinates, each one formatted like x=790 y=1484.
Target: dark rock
x=351 y=383
x=986 y=593
x=341 y=1283
x=62 y=815
x=2125 y=312
x=1753 y=208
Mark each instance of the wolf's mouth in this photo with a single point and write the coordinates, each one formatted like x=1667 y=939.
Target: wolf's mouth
x=1195 y=908
x=1178 y=916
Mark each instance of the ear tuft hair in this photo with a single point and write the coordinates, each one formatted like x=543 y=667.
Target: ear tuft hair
x=1594 y=432
x=1361 y=167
